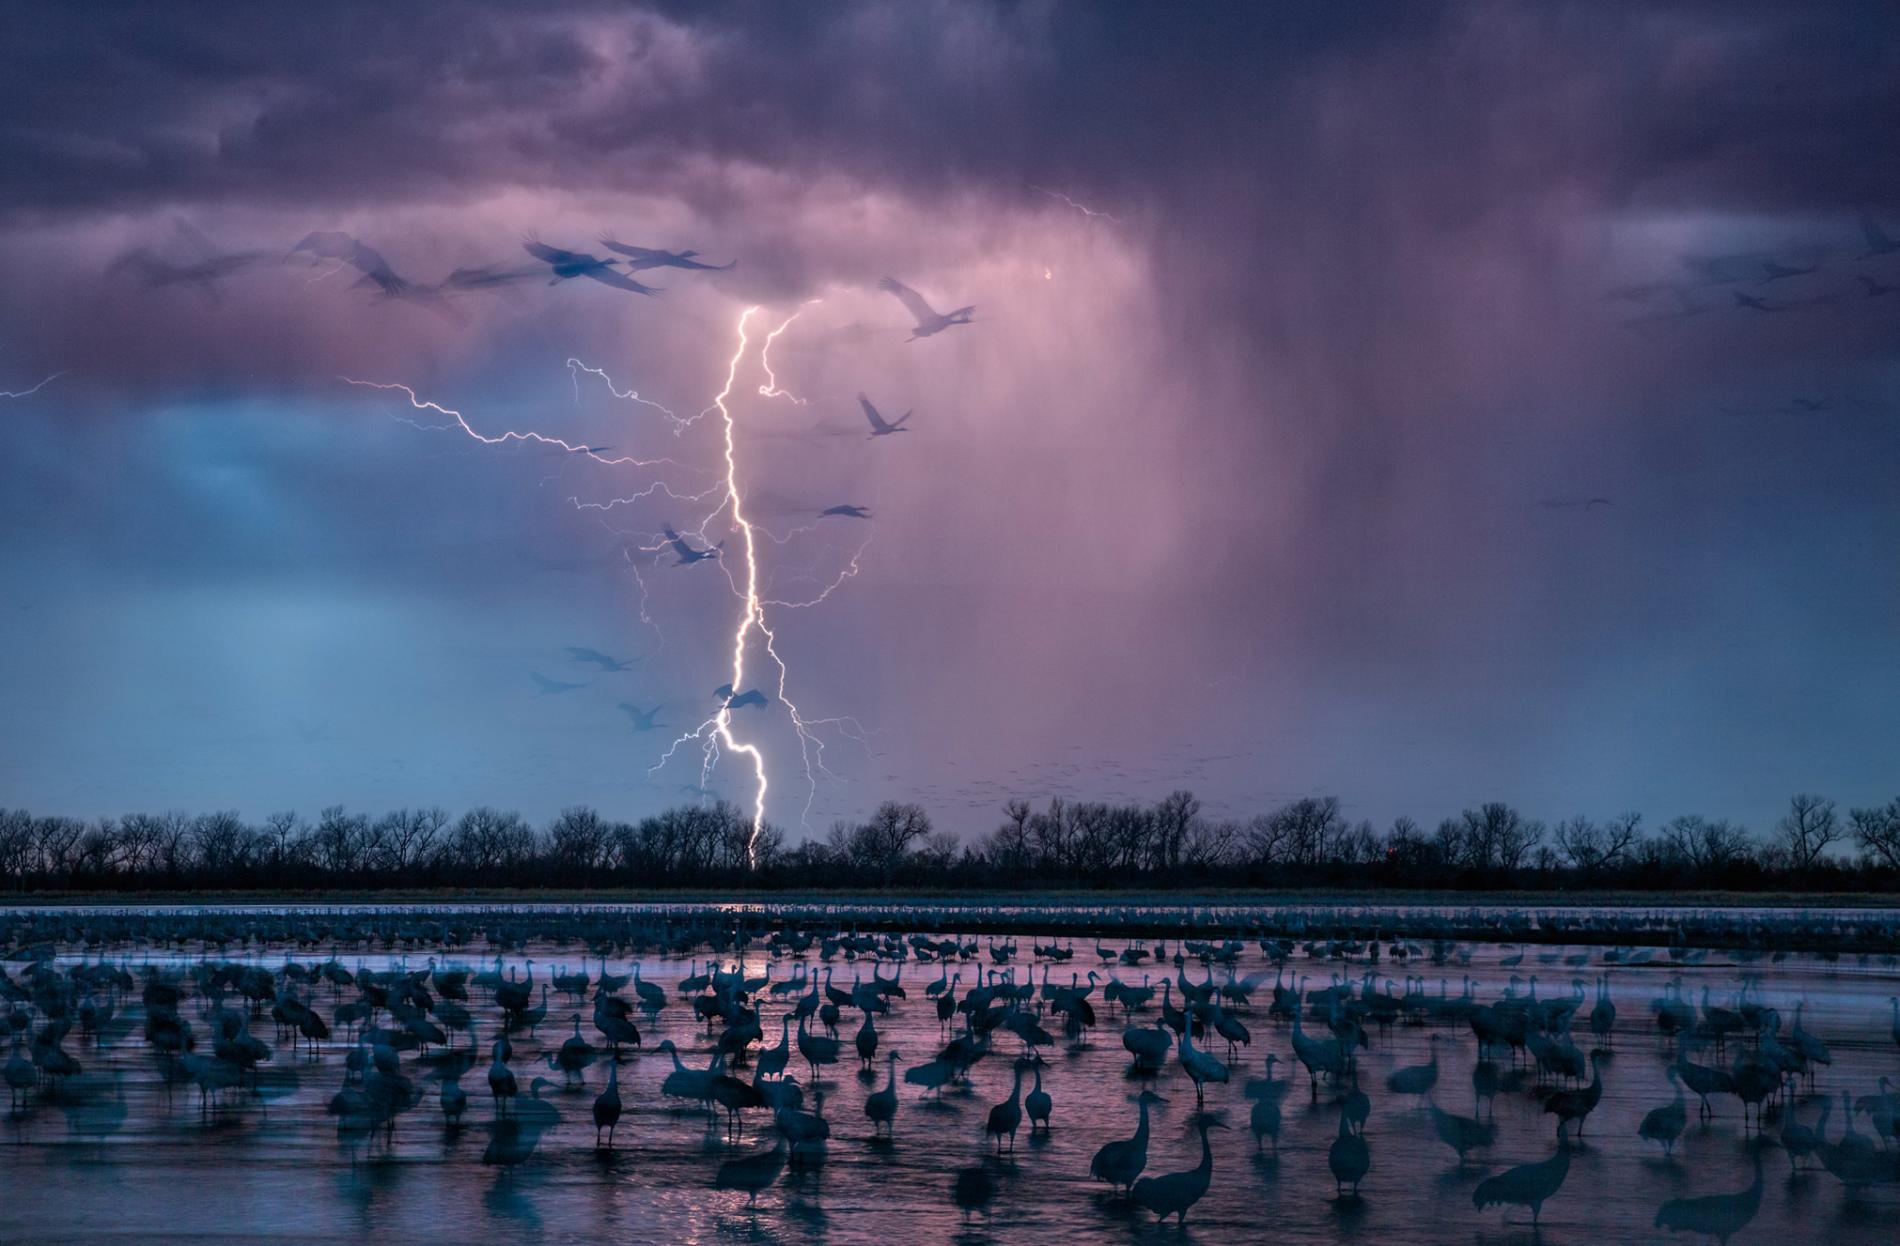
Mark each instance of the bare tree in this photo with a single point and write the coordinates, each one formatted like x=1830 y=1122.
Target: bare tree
x=1700 y=844
x=1134 y=840
x=139 y=839
x=888 y=835
x=174 y=829
x=1050 y=832
x=223 y=844
x=578 y=840
x=284 y=832
x=1174 y=819
x=1089 y=846
x=1008 y=848
x=56 y=841
x=1806 y=830
x=1596 y=846
x=1580 y=841
x=98 y=851
x=1496 y=836
x=768 y=846
x=1304 y=832
x=1877 y=831
x=1212 y=843
x=938 y=852
x=1622 y=835
x=339 y=839
x=16 y=844
x=1408 y=849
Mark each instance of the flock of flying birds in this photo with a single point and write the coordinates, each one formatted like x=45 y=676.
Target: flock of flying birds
x=1747 y=277
x=1748 y=271
x=206 y=267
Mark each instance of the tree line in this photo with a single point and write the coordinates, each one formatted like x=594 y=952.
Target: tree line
x=1813 y=845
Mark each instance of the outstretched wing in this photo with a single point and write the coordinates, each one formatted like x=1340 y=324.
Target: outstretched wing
x=620 y=281
x=370 y=262
x=642 y=719
x=683 y=261
x=549 y=255
x=870 y=413
x=912 y=300
x=647 y=254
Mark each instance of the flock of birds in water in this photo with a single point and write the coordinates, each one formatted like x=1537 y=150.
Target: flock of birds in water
x=459 y=1040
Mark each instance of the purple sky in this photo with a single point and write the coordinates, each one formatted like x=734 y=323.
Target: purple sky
x=1301 y=344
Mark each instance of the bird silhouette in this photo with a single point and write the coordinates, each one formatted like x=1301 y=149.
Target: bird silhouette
x=1772 y=271
x=752 y=1173
x=847 y=512
x=687 y=554
x=1121 y=1161
x=1878 y=243
x=1006 y=1117
x=1201 y=1067
x=566 y=264
x=639 y=259
x=1666 y=1123
x=204 y=273
x=880 y=1106
x=549 y=686
x=1462 y=1133
x=607 y=1107
x=487 y=277
x=643 y=720
x=1527 y=1185
x=579 y=653
x=1720 y=1216
x=1174 y=1193
x=1417 y=1079
x=1038 y=1103
x=879 y=427
x=1576 y=1105
x=334 y=244
x=1349 y=1158
x=1264 y=1117
x=929 y=320
x=751 y=696
x=973 y=1190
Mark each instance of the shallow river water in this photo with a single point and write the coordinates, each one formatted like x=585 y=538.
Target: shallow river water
x=118 y=1155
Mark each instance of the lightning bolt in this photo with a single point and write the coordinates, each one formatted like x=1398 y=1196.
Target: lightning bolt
x=575 y=367
x=770 y=389
x=753 y=615
x=717 y=733
x=25 y=393
x=458 y=420
x=1083 y=208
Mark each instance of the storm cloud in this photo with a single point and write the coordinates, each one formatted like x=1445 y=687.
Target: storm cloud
x=1299 y=334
